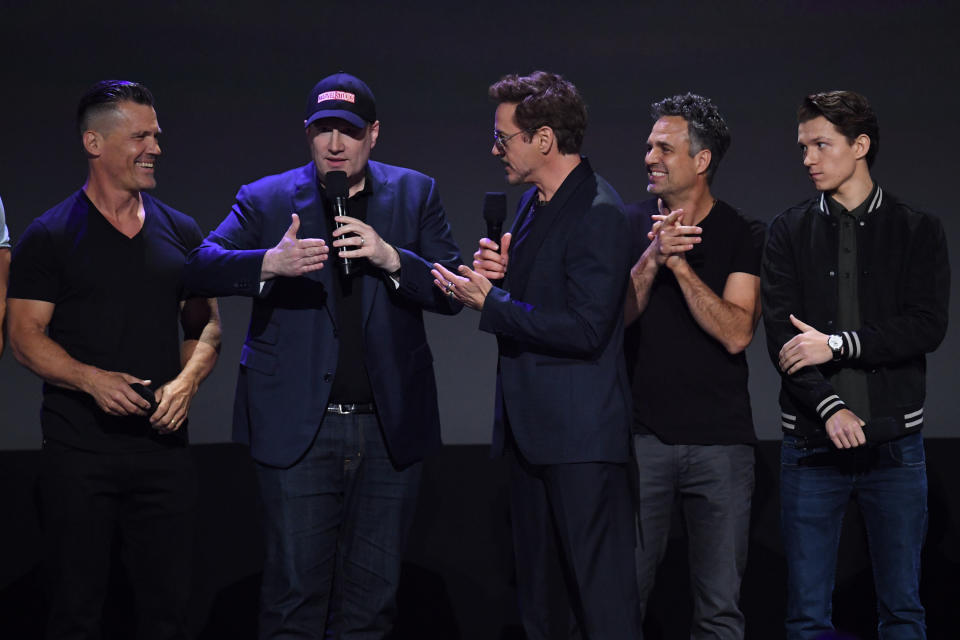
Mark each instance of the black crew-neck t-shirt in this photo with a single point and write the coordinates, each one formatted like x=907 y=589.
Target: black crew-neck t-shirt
x=117 y=308
x=686 y=388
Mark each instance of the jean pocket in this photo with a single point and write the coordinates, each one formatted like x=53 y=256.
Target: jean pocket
x=908 y=451
x=791 y=453
x=795 y=452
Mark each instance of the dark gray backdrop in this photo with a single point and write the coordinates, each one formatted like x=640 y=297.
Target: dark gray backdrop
x=231 y=79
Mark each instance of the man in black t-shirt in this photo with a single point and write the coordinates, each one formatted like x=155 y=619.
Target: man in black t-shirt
x=692 y=308
x=94 y=305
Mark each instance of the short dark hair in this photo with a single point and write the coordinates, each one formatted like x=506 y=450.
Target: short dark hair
x=545 y=99
x=706 y=128
x=849 y=112
x=106 y=95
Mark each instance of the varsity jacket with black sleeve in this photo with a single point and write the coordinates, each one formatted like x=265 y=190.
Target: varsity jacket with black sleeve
x=904 y=289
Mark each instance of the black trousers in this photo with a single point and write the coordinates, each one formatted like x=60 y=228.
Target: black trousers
x=586 y=509
x=147 y=501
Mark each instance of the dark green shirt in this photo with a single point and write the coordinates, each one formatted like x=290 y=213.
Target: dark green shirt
x=850 y=382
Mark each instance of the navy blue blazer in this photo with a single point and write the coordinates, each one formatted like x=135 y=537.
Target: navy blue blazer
x=289 y=359
x=561 y=379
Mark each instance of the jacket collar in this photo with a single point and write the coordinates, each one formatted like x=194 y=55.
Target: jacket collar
x=875 y=198
x=308 y=205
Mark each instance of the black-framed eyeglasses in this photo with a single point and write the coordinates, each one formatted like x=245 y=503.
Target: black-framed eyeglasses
x=501 y=140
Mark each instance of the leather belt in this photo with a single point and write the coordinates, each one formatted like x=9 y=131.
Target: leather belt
x=345 y=409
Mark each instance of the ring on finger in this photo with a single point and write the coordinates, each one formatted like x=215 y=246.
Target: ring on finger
x=450 y=286
x=362 y=240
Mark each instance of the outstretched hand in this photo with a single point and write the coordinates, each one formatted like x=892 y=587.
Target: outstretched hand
x=294 y=256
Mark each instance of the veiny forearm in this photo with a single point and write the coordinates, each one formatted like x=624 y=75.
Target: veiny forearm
x=200 y=349
x=37 y=352
x=728 y=323
x=642 y=275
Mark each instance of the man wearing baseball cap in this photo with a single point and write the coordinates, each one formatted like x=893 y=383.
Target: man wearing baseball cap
x=336 y=393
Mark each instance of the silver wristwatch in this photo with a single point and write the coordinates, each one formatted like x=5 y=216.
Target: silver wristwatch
x=835 y=342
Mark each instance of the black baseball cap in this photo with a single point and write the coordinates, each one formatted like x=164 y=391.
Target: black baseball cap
x=341 y=96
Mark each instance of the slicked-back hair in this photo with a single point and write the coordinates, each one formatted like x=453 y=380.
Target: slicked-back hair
x=106 y=95
x=849 y=112
x=706 y=128
x=545 y=99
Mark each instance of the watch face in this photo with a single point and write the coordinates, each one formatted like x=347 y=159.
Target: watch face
x=834 y=342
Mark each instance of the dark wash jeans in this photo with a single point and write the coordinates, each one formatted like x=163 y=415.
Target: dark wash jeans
x=712 y=485
x=889 y=484
x=336 y=524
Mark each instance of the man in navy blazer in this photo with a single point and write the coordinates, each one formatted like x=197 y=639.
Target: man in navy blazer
x=336 y=394
x=562 y=408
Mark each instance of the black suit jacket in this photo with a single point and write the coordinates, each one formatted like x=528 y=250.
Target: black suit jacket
x=561 y=381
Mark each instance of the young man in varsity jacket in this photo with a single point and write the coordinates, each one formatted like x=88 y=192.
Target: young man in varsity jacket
x=855 y=288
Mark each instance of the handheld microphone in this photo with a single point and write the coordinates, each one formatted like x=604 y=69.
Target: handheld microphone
x=495 y=212
x=336 y=183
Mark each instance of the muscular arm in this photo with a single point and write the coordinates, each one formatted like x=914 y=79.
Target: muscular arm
x=4 y=274
x=730 y=319
x=200 y=319
x=28 y=321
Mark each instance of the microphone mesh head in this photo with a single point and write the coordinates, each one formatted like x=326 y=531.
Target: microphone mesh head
x=336 y=183
x=495 y=206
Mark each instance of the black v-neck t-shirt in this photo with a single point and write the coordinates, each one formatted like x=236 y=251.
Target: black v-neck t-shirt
x=117 y=308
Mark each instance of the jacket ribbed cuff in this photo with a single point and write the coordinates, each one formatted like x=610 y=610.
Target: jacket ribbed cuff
x=829 y=406
x=851 y=345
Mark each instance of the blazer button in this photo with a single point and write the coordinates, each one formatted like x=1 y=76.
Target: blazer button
x=327 y=377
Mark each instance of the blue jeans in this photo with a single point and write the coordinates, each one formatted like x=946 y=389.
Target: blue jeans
x=713 y=487
x=889 y=484
x=336 y=523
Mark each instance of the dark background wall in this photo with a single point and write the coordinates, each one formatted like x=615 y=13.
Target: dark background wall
x=231 y=79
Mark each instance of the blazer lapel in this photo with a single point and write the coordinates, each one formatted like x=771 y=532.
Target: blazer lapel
x=520 y=262
x=306 y=203
x=543 y=222
x=380 y=216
